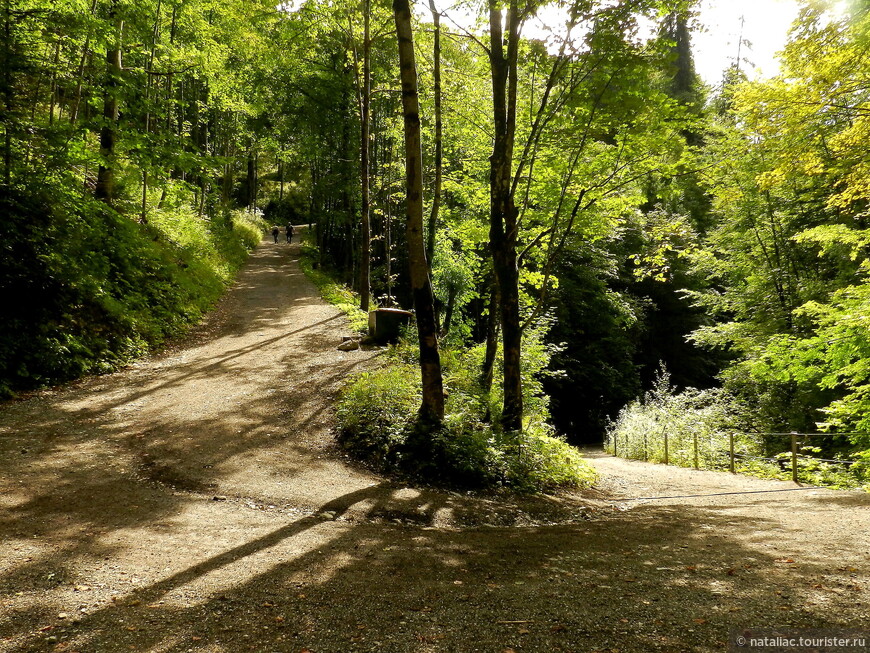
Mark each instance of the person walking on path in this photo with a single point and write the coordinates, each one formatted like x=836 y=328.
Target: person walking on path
x=289 y=232
x=275 y=232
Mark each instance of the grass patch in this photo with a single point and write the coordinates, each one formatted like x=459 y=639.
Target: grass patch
x=331 y=290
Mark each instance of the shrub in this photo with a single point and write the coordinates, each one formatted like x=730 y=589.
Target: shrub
x=695 y=424
x=545 y=461
x=708 y=419
x=377 y=424
x=375 y=412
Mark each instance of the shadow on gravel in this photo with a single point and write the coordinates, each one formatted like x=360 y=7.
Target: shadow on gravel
x=661 y=579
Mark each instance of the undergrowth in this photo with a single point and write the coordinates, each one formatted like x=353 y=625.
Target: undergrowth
x=86 y=290
x=333 y=292
x=696 y=428
x=377 y=414
x=377 y=418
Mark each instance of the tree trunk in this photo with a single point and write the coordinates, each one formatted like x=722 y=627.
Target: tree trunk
x=436 y=191
x=486 y=372
x=53 y=102
x=143 y=217
x=365 y=209
x=503 y=210
x=432 y=408
x=448 y=311
x=150 y=65
x=388 y=222
x=74 y=111
x=8 y=95
x=169 y=77
x=105 y=188
x=252 y=179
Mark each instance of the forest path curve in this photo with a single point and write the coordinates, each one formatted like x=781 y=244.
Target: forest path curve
x=196 y=502
x=241 y=407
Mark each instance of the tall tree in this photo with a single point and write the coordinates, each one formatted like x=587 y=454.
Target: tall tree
x=790 y=254
x=432 y=407
x=503 y=228
x=365 y=141
x=105 y=188
x=439 y=146
x=363 y=80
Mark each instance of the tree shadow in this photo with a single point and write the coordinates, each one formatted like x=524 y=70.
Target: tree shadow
x=662 y=579
x=99 y=490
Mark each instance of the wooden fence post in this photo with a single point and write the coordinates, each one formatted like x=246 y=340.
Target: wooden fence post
x=731 y=451
x=794 y=469
x=666 y=447
x=696 y=450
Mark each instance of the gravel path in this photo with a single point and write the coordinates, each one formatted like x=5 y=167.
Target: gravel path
x=195 y=502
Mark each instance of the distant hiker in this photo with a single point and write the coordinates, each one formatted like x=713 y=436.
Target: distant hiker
x=275 y=232
x=289 y=232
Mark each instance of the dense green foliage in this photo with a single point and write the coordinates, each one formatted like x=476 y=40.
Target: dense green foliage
x=376 y=421
x=697 y=428
x=787 y=258
x=782 y=253
x=86 y=290
x=722 y=233
x=122 y=128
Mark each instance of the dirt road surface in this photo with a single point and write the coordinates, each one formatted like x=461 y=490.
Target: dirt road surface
x=195 y=502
